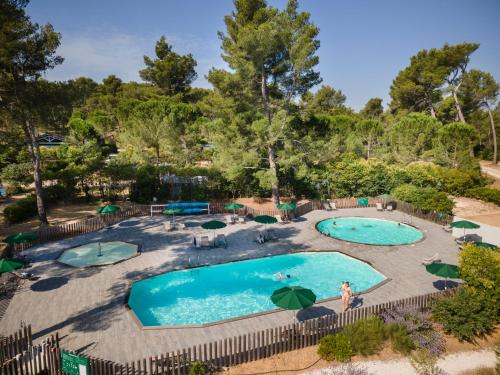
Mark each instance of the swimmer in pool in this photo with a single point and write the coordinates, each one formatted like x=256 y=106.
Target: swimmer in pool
x=281 y=276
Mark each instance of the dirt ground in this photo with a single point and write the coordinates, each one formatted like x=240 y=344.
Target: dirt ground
x=474 y=209
x=307 y=359
x=263 y=203
x=62 y=213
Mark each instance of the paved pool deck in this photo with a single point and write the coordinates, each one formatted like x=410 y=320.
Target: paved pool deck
x=87 y=306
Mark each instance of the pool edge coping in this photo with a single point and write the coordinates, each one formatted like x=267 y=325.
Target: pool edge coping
x=371 y=244
x=136 y=319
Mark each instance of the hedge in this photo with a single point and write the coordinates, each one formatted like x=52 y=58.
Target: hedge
x=21 y=210
x=484 y=194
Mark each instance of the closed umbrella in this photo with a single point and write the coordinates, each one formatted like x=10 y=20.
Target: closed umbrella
x=9 y=265
x=464 y=224
x=213 y=225
x=21 y=238
x=108 y=209
x=293 y=298
x=444 y=270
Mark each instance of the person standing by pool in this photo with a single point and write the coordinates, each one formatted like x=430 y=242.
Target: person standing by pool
x=346 y=295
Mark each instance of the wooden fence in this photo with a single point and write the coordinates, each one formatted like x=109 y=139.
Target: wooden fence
x=76 y=228
x=46 y=358
x=15 y=344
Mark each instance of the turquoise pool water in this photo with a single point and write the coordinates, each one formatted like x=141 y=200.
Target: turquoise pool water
x=370 y=231
x=209 y=294
x=90 y=255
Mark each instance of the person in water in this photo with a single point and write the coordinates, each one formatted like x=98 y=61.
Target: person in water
x=281 y=276
x=346 y=295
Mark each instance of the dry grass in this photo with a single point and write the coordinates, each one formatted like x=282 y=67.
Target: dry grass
x=480 y=371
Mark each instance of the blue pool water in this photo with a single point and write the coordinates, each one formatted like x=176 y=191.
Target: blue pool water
x=209 y=294
x=370 y=231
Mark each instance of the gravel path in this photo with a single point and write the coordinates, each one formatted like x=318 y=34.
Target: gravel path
x=452 y=364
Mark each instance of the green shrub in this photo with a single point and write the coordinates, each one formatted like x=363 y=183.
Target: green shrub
x=366 y=335
x=484 y=194
x=21 y=210
x=400 y=340
x=425 y=363
x=465 y=314
x=198 y=368
x=427 y=198
x=335 y=347
x=57 y=193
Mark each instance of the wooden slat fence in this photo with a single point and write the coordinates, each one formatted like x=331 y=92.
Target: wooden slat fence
x=46 y=358
x=15 y=344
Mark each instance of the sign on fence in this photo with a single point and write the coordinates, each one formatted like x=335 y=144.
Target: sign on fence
x=73 y=364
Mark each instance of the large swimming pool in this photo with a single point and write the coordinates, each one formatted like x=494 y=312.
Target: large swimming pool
x=370 y=231
x=209 y=294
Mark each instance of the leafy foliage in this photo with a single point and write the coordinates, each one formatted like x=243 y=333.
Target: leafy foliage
x=485 y=194
x=20 y=210
x=335 y=347
x=366 y=336
x=427 y=199
x=425 y=363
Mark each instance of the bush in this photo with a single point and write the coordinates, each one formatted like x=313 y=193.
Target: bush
x=465 y=314
x=427 y=198
x=425 y=363
x=335 y=347
x=400 y=340
x=418 y=327
x=21 y=210
x=366 y=336
x=57 y=193
x=198 y=368
x=484 y=194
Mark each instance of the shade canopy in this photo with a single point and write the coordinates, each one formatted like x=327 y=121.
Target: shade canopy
x=21 y=238
x=266 y=219
x=8 y=265
x=465 y=224
x=233 y=206
x=108 y=209
x=287 y=206
x=484 y=245
x=443 y=269
x=172 y=211
x=293 y=298
x=213 y=224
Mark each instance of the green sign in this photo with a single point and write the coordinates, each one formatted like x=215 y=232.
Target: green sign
x=363 y=202
x=73 y=364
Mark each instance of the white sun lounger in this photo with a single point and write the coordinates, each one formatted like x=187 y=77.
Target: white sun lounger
x=205 y=241
x=168 y=225
x=229 y=219
x=389 y=207
x=280 y=219
x=241 y=220
x=379 y=207
x=432 y=259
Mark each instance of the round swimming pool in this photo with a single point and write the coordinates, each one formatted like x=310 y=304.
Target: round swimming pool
x=369 y=231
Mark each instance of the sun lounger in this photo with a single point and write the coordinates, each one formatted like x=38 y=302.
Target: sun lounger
x=229 y=219
x=327 y=206
x=333 y=205
x=389 y=207
x=220 y=241
x=181 y=226
x=23 y=275
x=205 y=241
x=168 y=226
x=379 y=207
x=280 y=219
x=260 y=239
x=271 y=235
x=241 y=220
x=430 y=260
x=448 y=228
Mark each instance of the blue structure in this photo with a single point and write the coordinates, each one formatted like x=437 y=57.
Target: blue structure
x=191 y=207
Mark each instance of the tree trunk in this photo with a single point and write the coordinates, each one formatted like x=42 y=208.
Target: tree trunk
x=368 y=148
x=457 y=105
x=270 y=149
x=494 y=135
x=433 y=112
x=37 y=175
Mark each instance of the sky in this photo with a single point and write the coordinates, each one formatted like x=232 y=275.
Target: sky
x=364 y=43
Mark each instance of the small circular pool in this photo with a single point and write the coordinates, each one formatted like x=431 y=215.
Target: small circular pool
x=369 y=231
x=98 y=254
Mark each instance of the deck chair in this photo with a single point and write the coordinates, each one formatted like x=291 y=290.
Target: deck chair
x=379 y=207
x=333 y=206
x=280 y=219
x=327 y=206
x=24 y=275
x=389 y=207
x=181 y=226
x=220 y=241
x=447 y=228
x=205 y=241
x=168 y=225
x=241 y=219
x=432 y=259
x=197 y=242
x=229 y=219
x=271 y=235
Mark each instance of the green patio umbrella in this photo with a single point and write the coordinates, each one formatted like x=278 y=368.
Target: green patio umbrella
x=293 y=298
x=464 y=224
x=233 y=206
x=213 y=225
x=21 y=238
x=8 y=265
x=287 y=206
x=172 y=211
x=485 y=245
x=108 y=209
x=444 y=270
